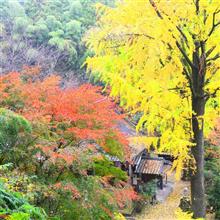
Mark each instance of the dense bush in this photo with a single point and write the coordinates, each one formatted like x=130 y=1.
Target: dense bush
x=106 y=168
x=149 y=189
x=14 y=206
x=12 y=128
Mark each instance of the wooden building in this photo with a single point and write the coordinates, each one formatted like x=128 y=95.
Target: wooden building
x=146 y=167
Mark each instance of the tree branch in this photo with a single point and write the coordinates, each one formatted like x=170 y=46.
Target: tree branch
x=183 y=35
x=113 y=37
x=210 y=51
x=210 y=78
x=205 y=16
x=156 y=9
x=214 y=25
x=197 y=6
x=189 y=79
x=139 y=35
x=185 y=55
x=217 y=56
x=212 y=95
x=116 y=46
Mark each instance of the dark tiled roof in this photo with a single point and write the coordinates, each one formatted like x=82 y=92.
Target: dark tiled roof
x=150 y=166
x=146 y=164
x=136 y=159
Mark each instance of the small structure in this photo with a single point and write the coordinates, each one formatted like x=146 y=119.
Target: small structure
x=114 y=159
x=167 y=156
x=146 y=167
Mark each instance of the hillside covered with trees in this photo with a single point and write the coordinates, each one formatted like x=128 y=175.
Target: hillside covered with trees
x=45 y=33
x=101 y=101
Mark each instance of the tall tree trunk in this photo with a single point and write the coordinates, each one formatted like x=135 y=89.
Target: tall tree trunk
x=198 y=107
x=197 y=179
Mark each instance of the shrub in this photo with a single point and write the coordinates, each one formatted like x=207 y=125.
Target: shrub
x=16 y=207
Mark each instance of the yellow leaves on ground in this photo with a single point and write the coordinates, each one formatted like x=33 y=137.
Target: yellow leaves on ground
x=180 y=215
x=118 y=216
x=183 y=215
x=166 y=210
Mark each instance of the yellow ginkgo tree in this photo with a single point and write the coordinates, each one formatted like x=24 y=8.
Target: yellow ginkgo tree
x=162 y=59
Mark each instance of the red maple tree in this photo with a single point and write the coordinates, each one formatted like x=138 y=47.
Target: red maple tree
x=81 y=114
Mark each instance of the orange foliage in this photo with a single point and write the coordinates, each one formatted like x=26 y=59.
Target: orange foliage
x=86 y=113
x=215 y=135
x=68 y=187
x=55 y=155
x=31 y=71
x=109 y=213
x=212 y=153
x=124 y=195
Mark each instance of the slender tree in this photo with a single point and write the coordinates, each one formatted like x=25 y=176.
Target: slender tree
x=162 y=59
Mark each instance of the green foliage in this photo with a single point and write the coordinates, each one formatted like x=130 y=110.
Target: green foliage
x=19 y=215
x=92 y=203
x=16 y=207
x=92 y=188
x=6 y=166
x=106 y=168
x=212 y=178
x=113 y=146
x=13 y=101
x=12 y=127
x=34 y=212
x=149 y=189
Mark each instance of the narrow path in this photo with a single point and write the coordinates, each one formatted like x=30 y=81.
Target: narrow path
x=165 y=210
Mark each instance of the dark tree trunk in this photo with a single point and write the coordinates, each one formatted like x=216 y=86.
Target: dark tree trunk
x=197 y=179
x=198 y=107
